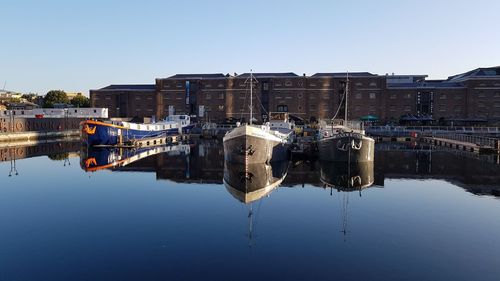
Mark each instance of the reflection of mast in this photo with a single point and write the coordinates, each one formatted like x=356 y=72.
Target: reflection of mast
x=250 y=225
x=13 y=168
x=344 y=213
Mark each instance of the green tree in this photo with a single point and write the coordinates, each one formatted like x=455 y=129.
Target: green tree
x=80 y=101
x=55 y=96
x=29 y=97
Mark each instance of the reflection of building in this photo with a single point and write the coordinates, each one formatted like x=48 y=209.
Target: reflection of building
x=205 y=164
x=49 y=148
x=471 y=97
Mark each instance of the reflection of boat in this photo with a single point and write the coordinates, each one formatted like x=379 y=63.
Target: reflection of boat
x=251 y=182
x=346 y=176
x=94 y=159
x=344 y=140
x=249 y=143
x=115 y=132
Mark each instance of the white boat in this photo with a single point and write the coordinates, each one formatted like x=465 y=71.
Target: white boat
x=250 y=144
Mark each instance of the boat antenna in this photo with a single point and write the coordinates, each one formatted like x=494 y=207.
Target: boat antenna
x=346 y=92
x=251 y=96
x=252 y=79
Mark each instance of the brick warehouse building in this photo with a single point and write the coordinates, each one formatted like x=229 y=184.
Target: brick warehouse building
x=469 y=98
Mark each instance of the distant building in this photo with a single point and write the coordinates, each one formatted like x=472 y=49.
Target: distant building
x=469 y=98
x=127 y=100
x=21 y=106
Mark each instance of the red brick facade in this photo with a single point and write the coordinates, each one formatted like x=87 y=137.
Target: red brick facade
x=217 y=97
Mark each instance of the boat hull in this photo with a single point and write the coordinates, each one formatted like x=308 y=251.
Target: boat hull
x=100 y=133
x=347 y=147
x=248 y=145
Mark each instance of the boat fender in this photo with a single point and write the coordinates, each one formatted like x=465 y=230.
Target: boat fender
x=19 y=127
x=355 y=145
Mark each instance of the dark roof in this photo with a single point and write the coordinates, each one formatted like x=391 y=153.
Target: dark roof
x=344 y=74
x=131 y=87
x=426 y=84
x=478 y=72
x=197 y=76
x=269 y=75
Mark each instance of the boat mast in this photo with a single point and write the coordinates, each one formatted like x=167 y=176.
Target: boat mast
x=251 y=96
x=346 y=92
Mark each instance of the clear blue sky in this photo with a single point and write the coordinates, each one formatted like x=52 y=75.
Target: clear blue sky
x=82 y=45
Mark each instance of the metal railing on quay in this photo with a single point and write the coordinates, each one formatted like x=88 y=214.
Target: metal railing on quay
x=429 y=129
x=478 y=140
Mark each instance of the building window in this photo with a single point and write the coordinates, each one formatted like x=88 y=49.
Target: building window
x=408 y=96
x=497 y=104
x=357 y=108
x=392 y=108
x=312 y=84
x=392 y=96
x=372 y=109
x=288 y=83
x=221 y=107
x=359 y=84
x=265 y=86
x=358 y=96
x=497 y=95
x=282 y=108
x=442 y=108
x=208 y=86
x=407 y=108
x=221 y=96
x=458 y=97
x=373 y=84
x=220 y=85
x=208 y=96
x=326 y=84
x=458 y=108
x=373 y=96
x=442 y=96
x=482 y=94
x=312 y=107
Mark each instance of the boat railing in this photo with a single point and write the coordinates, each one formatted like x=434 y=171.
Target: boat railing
x=352 y=124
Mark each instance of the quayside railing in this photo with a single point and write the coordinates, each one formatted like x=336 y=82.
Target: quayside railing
x=404 y=130
x=478 y=140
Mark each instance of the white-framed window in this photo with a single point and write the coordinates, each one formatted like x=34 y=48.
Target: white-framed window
x=373 y=96
x=358 y=96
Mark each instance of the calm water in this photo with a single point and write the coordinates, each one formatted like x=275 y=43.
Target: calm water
x=427 y=215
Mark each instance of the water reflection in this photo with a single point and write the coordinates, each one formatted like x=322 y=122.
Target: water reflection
x=95 y=159
x=345 y=176
x=203 y=162
x=250 y=182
